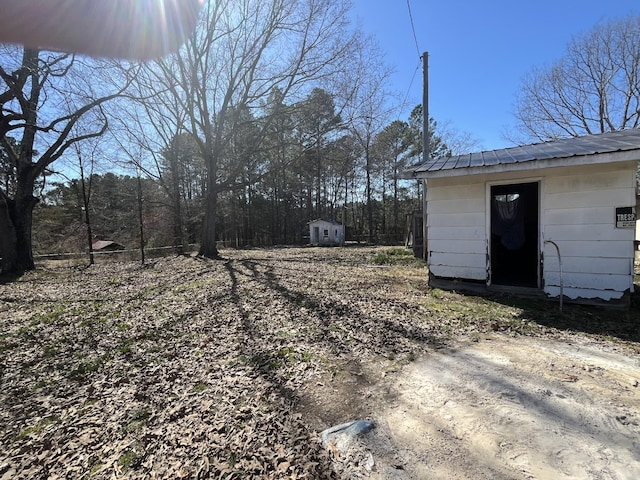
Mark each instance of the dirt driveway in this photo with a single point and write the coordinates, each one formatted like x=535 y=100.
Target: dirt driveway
x=510 y=408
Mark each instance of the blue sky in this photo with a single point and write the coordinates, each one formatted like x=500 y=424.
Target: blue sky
x=478 y=51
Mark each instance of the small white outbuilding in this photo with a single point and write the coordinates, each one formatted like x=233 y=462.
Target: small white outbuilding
x=542 y=218
x=326 y=232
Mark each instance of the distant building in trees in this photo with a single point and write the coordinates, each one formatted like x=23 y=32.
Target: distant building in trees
x=105 y=245
x=326 y=232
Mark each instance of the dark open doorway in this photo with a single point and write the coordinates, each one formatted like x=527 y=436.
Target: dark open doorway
x=514 y=234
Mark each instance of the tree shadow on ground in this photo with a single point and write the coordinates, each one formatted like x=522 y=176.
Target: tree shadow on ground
x=532 y=405
x=343 y=332
x=263 y=361
x=376 y=333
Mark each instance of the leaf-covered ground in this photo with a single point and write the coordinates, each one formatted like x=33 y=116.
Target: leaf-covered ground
x=192 y=368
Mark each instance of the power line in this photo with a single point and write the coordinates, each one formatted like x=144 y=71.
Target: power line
x=413 y=28
x=415 y=39
x=406 y=97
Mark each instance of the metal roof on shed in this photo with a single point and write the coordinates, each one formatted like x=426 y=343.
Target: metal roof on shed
x=621 y=141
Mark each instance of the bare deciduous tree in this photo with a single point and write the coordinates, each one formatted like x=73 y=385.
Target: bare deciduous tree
x=44 y=96
x=369 y=113
x=593 y=88
x=241 y=51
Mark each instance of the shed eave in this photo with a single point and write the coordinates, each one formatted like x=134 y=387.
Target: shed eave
x=576 y=160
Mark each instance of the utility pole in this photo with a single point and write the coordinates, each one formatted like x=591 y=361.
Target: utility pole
x=425 y=106
x=425 y=146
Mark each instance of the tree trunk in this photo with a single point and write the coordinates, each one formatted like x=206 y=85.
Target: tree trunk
x=8 y=240
x=87 y=215
x=369 y=196
x=208 y=245
x=178 y=228
x=16 y=218
x=141 y=218
x=20 y=208
x=23 y=221
x=178 y=236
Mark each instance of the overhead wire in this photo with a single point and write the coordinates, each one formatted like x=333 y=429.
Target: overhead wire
x=415 y=39
x=413 y=29
x=413 y=77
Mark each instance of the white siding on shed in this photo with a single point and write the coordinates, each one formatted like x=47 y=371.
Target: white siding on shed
x=579 y=215
x=456 y=230
x=325 y=232
x=577 y=212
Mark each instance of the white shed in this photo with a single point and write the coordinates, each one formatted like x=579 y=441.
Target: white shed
x=326 y=232
x=536 y=218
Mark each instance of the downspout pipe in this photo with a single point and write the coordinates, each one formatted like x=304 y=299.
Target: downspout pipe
x=560 y=268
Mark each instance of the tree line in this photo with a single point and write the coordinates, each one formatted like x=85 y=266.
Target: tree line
x=310 y=167
x=273 y=113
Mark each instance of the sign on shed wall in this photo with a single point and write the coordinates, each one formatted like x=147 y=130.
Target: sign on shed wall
x=625 y=217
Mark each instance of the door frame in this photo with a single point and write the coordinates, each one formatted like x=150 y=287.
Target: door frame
x=539 y=261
